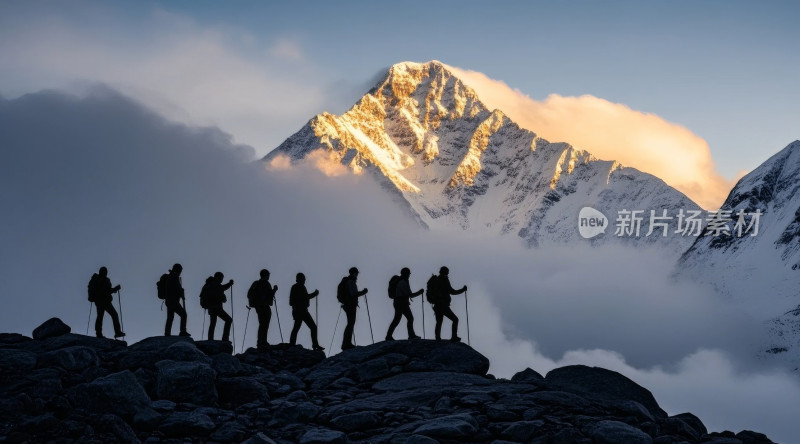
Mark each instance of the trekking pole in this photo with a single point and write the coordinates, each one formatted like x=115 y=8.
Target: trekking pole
x=90 y=319
x=245 y=326
x=119 y=301
x=278 y=317
x=332 y=336
x=233 y=324
x=366 y=299
x=466 y=305
x=422 y=307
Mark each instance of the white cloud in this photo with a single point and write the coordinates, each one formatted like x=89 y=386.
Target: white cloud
x=613 y=131
x=200 y=76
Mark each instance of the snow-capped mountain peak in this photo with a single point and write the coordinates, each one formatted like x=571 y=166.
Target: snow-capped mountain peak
x=428 y=137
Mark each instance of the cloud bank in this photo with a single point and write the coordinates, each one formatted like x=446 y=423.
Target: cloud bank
x=99 y=180
x=613 y=131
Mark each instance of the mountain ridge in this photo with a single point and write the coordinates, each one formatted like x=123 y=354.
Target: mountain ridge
x=428 y=138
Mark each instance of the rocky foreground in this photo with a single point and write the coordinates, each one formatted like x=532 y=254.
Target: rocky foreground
x=63 y=387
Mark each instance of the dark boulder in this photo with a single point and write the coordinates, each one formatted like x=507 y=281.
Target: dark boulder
x=71 y=359
x=51 y=328
x=616 y=432
x=461 y=426
x=192 y=382
x=601 y=384
x=118 y=393
x=528 y=376
x=16 y=361
x=212 y=348
x=282 y=357
x=241 y=390
x=179 y=424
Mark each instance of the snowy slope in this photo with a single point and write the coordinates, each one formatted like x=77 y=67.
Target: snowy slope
x=760 y=272
x=431 y=142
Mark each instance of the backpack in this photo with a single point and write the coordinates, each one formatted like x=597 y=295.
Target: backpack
x=94 y=291
x=341 y=291
x=205 y=294
x=161 y=286
x=432 y=290
x=393 y=286
x=252 y=294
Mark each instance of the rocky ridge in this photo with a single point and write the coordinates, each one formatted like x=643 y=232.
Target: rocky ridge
x=63 y=387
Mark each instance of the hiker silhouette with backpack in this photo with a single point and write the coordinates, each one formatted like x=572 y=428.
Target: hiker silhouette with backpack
x=101 y=293
x=212 y=296
x=438 y=294
x=400 y=293
x=299 y=298
x=347 y=293
x=261 y=296
x=171 y=291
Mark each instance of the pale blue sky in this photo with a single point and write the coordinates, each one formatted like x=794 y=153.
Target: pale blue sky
x=726 y=70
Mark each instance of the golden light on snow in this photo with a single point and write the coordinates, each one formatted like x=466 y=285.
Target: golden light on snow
x=280 y=162
x=613 y=131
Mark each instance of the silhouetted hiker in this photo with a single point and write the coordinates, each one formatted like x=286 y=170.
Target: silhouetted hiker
x=261 y=296
x=400 y=292
x=347 y=293
x=439 y=296
x=299 y=299
x=170 y=289
x=101 y=293
x=211 y=298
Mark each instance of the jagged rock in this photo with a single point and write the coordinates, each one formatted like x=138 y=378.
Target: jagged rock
x=750 y=437
x=293 y=413
x=214 y=347
x=70 y=358
x=408 y=356
x=523 y=430
x=114 y=425
x=282 y=357
x=13 y=338
x=73 y=340
x=323 y=436
x=449 y=427
x=602 y=384
x=51 y=328
x=412 y=381
x=146 y=353
x=229 y=432
x=186 y=351
x=226 y=365
x=16 y=361
x=118 y=393
x=164 y=405
x=259 y=438
x=616 y=432
x=422 y=439
x=528 y=376
x=357 y=421
x=179 y=424
x=693 y=421
x=241 y=390
x=192 y=382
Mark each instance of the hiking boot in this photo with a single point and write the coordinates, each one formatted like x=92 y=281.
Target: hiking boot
x=414 y=337
x=184 y=333
x=119 y=334
x=347 y=346
x=455 y=339
x=389 y=338
x=100 y=335
x=318 y=347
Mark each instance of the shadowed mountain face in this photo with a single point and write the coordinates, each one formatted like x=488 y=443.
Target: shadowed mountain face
x=451 y=161
x=162 y=389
